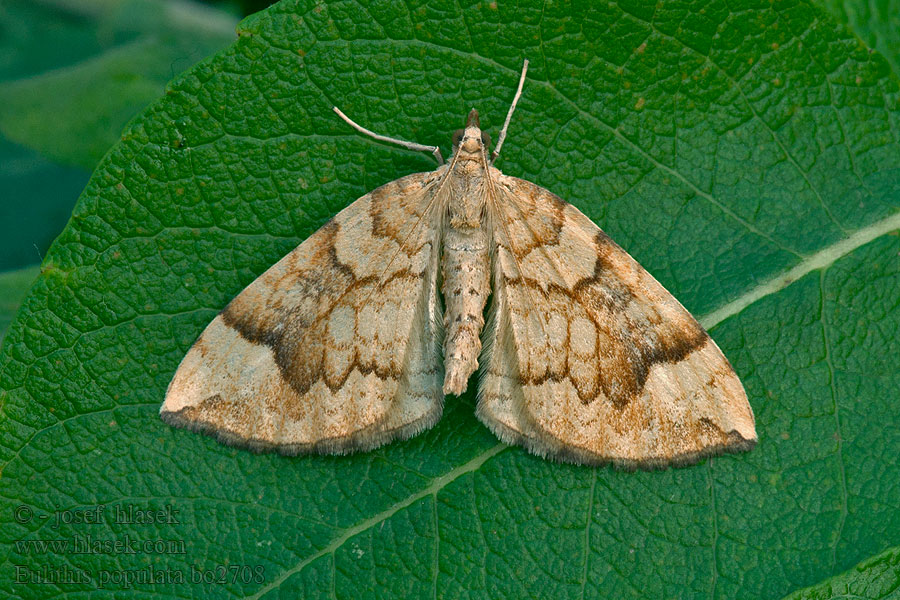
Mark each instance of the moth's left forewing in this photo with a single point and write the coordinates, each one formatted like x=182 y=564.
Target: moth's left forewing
x=589 y=359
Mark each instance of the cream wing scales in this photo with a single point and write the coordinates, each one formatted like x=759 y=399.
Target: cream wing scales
x=585 y=357
x=334 y=348
x=588 y=358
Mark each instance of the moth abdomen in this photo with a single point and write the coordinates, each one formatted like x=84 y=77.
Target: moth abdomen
x=465 y=265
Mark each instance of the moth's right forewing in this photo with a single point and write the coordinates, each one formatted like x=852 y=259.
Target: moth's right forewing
x=590 y=359
x=334 y=348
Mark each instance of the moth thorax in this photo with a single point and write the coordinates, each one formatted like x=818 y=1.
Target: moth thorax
x=467 y=197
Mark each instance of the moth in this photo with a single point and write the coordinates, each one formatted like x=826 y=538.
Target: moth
x=354 y=338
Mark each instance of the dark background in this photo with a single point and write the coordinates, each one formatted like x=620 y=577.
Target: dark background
x=72 y=74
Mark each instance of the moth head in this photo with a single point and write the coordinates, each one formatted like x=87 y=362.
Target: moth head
x=472 y=140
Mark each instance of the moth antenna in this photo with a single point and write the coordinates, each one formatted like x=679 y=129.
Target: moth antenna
x=509 y=115
x=383 y=138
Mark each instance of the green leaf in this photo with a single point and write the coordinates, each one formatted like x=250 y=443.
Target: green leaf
x=747 y=154
x=875 y=579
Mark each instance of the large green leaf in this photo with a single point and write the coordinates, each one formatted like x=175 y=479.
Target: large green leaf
x=746 y=153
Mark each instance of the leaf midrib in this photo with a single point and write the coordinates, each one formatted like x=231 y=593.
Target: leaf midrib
x=813 y=262
x=436 y=485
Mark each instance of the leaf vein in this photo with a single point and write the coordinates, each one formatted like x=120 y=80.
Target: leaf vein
x=436 y=485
